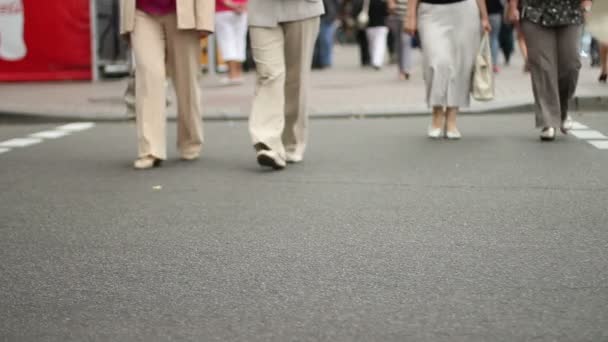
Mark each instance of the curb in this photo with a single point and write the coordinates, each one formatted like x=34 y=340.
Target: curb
x=579 y=103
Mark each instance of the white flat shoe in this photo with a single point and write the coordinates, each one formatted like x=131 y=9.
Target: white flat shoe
x=434 y=133
x=567 y=125
x=292 y=157
x=453 y=135
x=547 y=134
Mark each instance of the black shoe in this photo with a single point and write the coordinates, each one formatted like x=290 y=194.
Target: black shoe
x=603 y=78
x=267 y=157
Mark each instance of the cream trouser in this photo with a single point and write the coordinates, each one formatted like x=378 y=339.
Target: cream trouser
x=158 y=45
x=283 y=57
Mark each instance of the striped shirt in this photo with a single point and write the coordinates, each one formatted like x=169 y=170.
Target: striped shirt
x=401 y=7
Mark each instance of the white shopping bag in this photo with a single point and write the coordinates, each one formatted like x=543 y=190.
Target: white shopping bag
x=482 y=87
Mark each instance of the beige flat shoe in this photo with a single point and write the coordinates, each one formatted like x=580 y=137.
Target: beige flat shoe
x=146 y=163
x=189 y=156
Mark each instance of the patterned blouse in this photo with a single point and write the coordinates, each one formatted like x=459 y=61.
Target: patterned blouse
x=553 y=12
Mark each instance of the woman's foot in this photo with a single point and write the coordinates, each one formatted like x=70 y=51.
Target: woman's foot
x=451 y=130
x=147 y=163
x=603 y=78
x=435 y=130
x=567 y=125
x=547 y=134
x=453 y=134
x=404 y=76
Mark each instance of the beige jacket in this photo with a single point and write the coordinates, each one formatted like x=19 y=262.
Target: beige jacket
x=269 y=13
x=191 y=15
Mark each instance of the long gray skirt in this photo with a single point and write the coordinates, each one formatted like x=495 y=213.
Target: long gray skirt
x=450 y=35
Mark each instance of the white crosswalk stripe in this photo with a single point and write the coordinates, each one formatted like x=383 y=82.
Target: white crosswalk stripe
x=20 y=142
x=50 y=134
x=593 y=137
x=36 y=138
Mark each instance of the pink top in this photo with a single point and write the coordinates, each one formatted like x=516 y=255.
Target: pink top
x=220 y=7
x=157 y=7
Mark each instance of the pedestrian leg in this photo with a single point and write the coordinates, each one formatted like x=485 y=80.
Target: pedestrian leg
x=377 y=44
x=569 y=64
x=267 y=118
x=299 y=38
x=183 y=47
x=543 y=63
x=496 y=23
x=148 y=41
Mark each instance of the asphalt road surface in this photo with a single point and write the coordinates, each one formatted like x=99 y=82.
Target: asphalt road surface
x=379 y=235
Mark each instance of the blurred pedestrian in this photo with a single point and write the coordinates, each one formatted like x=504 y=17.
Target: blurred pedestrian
x=324 y=46
x=603 y=62
x=553 y=31
x=377 y=32
x=495 y=15
x=506 y=41
x=283 y=35
x=398 y=11
x=164 y=34
x=450 y=33
x=360 y=9
x=231 y=33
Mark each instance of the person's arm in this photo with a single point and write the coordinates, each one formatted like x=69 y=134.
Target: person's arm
x=392 y=5
x=586 y=5
x=513 y=11
x=483 y=15
x=410 y=24
x=233 y=6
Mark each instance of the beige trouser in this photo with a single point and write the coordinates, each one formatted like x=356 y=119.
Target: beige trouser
x=283 y=57
x=158 y=45
x=554 y=60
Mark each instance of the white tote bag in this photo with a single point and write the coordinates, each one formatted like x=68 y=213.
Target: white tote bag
x=482 y=87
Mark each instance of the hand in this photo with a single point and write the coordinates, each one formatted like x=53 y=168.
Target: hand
x=240 y=9
x=392 y=6
x=513 y=15
x=586 y=5
x=410 y=25
x=485 y=24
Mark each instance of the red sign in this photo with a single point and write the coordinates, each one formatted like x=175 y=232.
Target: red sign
x=45 y=40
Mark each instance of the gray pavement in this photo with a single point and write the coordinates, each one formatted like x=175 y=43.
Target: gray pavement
x=343 y=91
x=380 y=235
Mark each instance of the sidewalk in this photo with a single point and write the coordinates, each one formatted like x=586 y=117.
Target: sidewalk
x=346 y=90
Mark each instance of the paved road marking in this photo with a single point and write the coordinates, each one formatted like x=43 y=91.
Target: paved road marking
x=77 y=126
x=49 y=134
x=36 y=138
x=20 y=142
x=578 y=125
x=588 y=135
x=600 y=144
x=595 y=138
